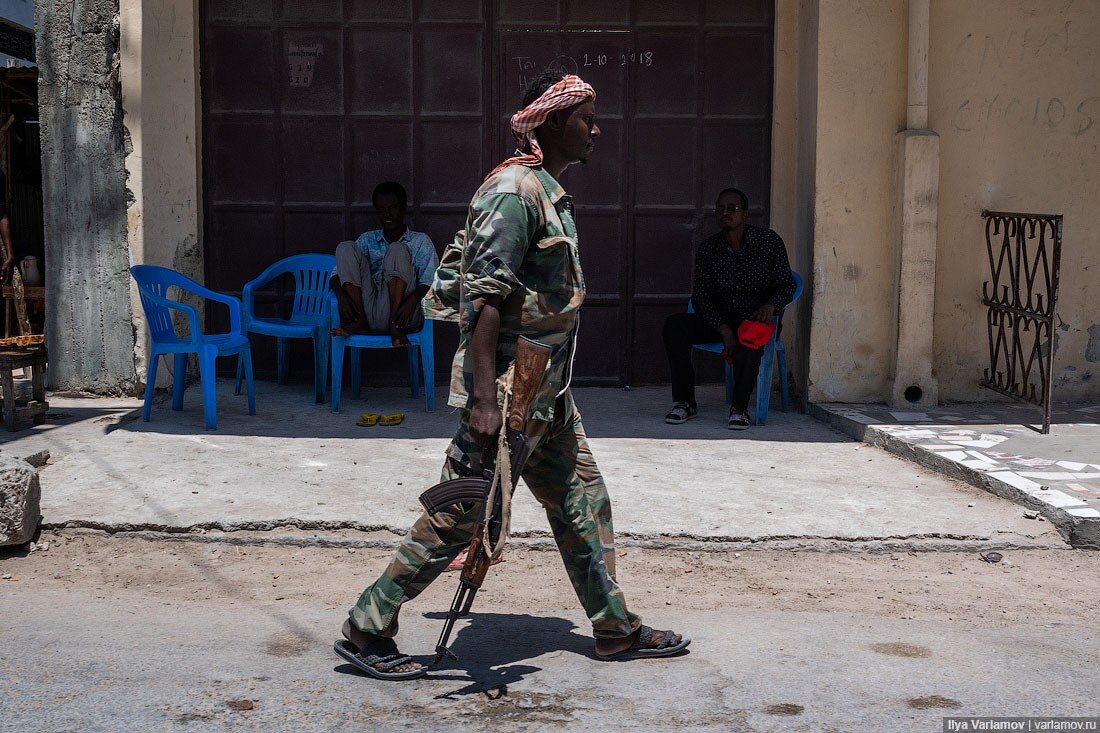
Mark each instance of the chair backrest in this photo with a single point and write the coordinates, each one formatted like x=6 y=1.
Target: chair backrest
x=155 y=280
x=798 y=285
x=312 y=273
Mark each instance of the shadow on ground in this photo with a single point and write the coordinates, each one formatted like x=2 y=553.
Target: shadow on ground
x=106 y=417
x=289 y=412
x=492 y=650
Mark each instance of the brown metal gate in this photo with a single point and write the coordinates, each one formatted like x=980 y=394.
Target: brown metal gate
x=307 y=104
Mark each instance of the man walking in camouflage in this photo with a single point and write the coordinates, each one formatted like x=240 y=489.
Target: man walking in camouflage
x=515 y=271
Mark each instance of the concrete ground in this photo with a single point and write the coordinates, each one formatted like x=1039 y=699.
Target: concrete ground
x=995 y=446
x=297 y=463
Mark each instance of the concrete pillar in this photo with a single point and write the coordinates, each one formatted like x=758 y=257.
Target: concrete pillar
x=84 y=144
x=917 y=215
x=159 y=71
x=916 y=112
x=918 y=191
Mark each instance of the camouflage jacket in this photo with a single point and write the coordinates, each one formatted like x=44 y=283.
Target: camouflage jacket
x=520 y=242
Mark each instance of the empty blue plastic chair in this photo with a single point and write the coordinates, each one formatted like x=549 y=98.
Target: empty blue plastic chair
x=421 y=355
x=153 y=283
x=308 y=317
x=773 y=350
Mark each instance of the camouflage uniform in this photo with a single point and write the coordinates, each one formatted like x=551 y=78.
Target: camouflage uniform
x=520 y=242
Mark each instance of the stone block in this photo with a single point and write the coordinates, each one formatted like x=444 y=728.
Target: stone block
x=20 y=495
x=38 y=459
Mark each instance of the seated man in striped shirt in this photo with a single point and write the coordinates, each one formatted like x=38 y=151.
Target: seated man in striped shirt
x=381 y=277
x=741 y=273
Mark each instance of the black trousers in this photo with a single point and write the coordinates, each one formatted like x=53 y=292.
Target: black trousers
x=684 y=330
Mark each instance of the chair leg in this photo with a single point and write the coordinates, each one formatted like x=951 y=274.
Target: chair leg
x=337 y=357
x=326 y=340
x=427 y=363
x=356 y=357
x=784 y=388
x=282 y=359
x=209 y=387
x=179 y=380
x=240 y=376
x=318 y=371
x=414 y=370
x=320 y=364
x=150 y=385
x=244 y=363
x=764 y=383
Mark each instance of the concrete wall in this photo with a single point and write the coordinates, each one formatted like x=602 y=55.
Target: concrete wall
x=84 y=143
x=860 y=93
x=161 y=101
x=1015 y=97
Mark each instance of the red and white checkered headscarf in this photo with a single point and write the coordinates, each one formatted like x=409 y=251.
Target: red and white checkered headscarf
x=567 y=92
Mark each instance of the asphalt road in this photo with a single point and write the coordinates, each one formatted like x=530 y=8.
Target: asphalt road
x=105 y=634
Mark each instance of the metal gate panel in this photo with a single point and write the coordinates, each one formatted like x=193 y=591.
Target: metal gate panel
x=307 y=105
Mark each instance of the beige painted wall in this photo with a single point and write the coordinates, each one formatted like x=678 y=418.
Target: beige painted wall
x=1015 y=97
x=860 y=107
x=161 y=104
x=790 y=168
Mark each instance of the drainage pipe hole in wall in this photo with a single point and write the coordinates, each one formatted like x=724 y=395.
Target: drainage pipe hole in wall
x=913 y=394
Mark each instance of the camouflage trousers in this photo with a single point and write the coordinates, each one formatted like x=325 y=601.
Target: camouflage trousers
x=563 y=476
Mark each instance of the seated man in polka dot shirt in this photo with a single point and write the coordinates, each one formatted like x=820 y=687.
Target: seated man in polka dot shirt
x=741 y=273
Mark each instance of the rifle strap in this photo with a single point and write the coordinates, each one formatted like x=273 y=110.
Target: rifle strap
x=502 y=480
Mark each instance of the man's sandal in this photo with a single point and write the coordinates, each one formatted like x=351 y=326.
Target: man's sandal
x=642 y=649
x=368 y=420
x=378 y=665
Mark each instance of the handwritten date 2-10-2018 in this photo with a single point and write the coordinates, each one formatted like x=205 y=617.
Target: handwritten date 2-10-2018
x=642 y=58
x=529 y=66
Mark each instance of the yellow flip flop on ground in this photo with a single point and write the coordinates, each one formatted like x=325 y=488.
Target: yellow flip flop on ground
x=394 y=418
x=368 y=420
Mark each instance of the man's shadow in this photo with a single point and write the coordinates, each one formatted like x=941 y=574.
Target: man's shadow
x=490 y=647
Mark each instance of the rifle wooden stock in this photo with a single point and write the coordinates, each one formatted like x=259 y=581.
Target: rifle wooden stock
x=531 y=360
x=477 y=562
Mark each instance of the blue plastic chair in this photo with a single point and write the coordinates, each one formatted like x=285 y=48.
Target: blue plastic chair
x=153 y=283
x=308 y=318
x=773 y=350
x=421 y=355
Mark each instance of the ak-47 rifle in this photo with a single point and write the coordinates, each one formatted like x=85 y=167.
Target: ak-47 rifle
x=530 y=366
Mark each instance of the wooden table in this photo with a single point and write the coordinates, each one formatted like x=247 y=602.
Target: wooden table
x=34 y=358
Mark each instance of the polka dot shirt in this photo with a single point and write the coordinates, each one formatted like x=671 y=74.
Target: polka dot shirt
x=729 y=286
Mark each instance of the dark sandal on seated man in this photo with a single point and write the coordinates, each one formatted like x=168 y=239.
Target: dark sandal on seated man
x=644 y=647
x=379 y=659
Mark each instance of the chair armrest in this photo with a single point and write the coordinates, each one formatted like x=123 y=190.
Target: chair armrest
x=266 y=276
x=272 y=272
x=233 y=304
x=246 y=301
x=194 y=330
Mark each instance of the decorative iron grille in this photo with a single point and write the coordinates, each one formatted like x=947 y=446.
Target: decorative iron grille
x=1025 y=252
